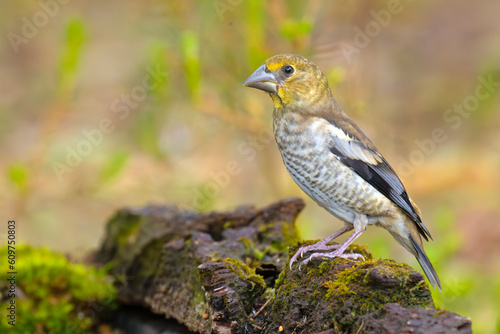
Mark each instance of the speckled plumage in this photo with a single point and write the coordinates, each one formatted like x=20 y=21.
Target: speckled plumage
x=304 y=146
x=334 y=163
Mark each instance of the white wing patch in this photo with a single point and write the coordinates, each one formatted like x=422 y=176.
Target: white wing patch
x=347 y=145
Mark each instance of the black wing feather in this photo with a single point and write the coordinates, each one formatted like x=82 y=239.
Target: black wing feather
x=383 y=178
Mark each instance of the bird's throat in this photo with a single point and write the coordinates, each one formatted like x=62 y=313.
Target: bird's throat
x=277 y=103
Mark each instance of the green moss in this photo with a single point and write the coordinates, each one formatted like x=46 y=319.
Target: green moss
x=54 y=295
x=244 y=272
x=281 y=278
x=363 y=250
x=339 y=290
x=341 y=286
x=290 y=234
x=128 y=229
x=281 y=234
x=324 y=267
x=251 y=250
x=149 y=260
x=356 y=287
x=245 y=284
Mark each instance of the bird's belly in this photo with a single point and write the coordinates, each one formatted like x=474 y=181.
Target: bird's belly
x=336 y=187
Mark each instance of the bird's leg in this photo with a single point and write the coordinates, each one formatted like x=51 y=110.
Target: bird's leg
x=359 y=227
x=320 y=245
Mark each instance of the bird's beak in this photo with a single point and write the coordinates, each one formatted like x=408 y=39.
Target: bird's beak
x=262 y=80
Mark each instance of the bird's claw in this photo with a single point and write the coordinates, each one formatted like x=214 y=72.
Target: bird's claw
x=353 y=256
x=301 y=251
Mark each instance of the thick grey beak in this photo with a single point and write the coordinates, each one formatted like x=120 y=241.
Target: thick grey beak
x=262 y=80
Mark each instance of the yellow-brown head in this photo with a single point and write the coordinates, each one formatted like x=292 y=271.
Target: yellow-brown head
x=291 y=81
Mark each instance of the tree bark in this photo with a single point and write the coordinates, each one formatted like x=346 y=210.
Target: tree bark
x=228 y=273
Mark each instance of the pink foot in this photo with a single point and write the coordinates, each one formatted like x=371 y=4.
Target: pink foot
x=333 y=255
x=317 y=246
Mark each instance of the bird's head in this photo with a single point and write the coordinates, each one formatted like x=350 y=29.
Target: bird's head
x=291 y=81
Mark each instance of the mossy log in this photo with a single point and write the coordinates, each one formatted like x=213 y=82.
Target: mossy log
x=228 y=273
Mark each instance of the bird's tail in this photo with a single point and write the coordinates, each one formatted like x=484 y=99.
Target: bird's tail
x=411 y=240
x=424 y=261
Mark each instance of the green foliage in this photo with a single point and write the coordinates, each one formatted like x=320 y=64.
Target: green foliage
x=152 y=113
x=147 y=133
x=54 y=295
x=455 y=289
x=293 y=29
x=71 y=54
x=255 y=22
x=450 y=239
x=190 y=46
x=336 y=75
x=251 y=250
x=204 y=201
x=114 y=165
x=18 y=175
x=157 y=55
x=487 y=106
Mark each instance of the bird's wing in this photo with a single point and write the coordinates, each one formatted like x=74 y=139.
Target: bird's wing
x=351 y=146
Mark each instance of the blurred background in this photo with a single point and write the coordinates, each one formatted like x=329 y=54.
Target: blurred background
x=117 y=104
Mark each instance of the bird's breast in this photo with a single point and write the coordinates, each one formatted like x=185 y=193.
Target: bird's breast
x=333 y=185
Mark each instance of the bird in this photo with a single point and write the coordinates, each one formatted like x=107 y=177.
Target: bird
x=335 y=163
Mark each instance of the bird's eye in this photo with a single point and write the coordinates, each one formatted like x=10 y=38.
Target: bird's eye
x=287 y=69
